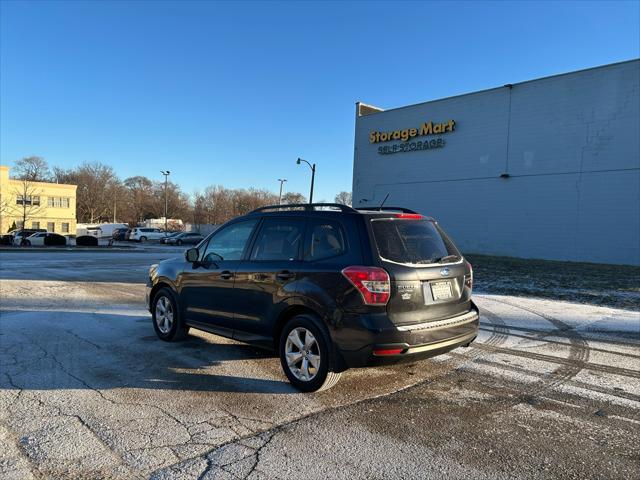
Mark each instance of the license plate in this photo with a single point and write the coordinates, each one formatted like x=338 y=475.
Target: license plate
x=441 y=290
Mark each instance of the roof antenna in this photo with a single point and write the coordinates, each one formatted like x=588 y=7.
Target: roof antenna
x=383 y=202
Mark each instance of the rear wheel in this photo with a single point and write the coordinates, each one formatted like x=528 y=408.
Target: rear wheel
x=167 y=321
x=143 y=239
x=304 y=354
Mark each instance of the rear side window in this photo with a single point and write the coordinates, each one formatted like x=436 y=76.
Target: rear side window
x=278 y=239
x=412 y=241
x=325 y=239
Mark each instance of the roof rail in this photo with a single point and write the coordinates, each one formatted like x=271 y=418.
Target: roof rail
x=386 y=209
x=303 y=206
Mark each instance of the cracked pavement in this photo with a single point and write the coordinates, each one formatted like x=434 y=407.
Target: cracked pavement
x=550 y=389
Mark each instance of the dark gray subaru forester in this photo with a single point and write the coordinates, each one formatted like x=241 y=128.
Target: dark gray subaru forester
x=329 y=287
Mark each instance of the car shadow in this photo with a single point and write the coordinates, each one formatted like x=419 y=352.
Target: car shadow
x=52 y=350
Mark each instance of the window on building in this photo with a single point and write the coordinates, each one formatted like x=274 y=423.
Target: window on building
x=35 y=225
x=36 y=200
x=65 y=202
x=65 y=227
x=19 y=224
x=51 y=227
x=50 y=202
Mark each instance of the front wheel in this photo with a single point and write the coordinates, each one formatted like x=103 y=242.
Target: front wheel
x=143 y=239
x=304 y=354
x=167 y=321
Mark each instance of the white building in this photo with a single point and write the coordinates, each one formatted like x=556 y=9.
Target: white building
x=548 y=168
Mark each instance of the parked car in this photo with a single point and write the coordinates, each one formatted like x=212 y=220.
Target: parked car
x=168 y=236
x=19 y=235
x=327 y=286
x=185 y=238
x=119 y=233
x=142 y=234
x=41 y=239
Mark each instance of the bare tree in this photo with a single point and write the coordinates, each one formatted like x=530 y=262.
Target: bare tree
x=97 y=184
x=293 y=197
x=33 y=169
x=177 y=201
x=139 y=195
x=344 y=198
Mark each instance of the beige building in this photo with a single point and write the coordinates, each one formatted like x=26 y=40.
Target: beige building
x=37 y=204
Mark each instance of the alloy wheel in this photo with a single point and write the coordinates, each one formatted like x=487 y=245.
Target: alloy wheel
x=164 y=315
x=302 y=353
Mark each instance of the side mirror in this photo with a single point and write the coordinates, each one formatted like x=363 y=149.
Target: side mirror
x=191 y=255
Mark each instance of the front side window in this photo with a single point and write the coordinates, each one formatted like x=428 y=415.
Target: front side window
x=326 y=239
x=279 y=239
x=229 y=243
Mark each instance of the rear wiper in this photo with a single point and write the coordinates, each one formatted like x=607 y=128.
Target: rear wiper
x=446 y=258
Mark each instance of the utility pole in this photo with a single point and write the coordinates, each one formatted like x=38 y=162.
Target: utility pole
x=166 y=177
x=313 y=176
x=281 y=180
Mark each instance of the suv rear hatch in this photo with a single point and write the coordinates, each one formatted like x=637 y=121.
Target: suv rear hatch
x=430 y=280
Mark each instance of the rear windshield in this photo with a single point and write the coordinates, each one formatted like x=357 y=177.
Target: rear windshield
x=413 y=241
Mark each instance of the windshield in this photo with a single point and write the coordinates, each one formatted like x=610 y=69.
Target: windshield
x=413 y=241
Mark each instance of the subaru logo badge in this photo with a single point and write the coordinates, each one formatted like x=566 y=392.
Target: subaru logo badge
x=444 y=272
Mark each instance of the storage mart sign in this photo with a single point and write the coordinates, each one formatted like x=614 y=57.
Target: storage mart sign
x=406 y=135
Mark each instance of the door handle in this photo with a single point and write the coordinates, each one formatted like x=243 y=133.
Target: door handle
x=260 y=276
x=285 y=275
x=226 y=275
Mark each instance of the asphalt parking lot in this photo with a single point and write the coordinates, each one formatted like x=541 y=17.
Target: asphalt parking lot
x=550 y=389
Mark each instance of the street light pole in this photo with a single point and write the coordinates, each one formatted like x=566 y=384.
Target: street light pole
x=313 y=176
x=281 y=180
x=166 y=177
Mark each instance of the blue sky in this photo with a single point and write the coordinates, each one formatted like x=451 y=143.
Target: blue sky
x=233 y=93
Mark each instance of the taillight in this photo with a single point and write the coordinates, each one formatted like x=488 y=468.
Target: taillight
x=409 y=216
x=468 y=278
x=372 y=282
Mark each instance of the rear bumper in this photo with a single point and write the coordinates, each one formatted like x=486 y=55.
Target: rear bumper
x=391 y=344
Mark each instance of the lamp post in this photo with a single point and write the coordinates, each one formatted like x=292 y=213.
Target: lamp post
x=313 y=176
x=166 y=177
x=281 y=180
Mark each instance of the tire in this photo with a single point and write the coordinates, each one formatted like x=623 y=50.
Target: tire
x=142 y=239
x=27 y=243
x=319 y=376
x=170 y=329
